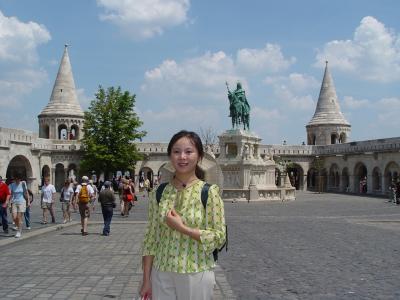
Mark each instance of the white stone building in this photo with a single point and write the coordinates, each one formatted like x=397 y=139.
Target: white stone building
x=328 y=162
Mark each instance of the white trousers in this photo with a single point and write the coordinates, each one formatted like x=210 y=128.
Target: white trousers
x=175 y=286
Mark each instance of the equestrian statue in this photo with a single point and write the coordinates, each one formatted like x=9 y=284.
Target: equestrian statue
x=239 y=107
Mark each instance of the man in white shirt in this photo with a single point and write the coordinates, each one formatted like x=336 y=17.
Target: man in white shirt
x=84 y=193
x=47 y=200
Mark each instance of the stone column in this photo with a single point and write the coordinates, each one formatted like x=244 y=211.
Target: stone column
x=384 y=188
x=352 y=183
x=369 y=185
x=305 y=185
x=53 y=176
x=239 y=146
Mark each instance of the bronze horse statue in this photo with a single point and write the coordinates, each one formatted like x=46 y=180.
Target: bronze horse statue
x=239 y=107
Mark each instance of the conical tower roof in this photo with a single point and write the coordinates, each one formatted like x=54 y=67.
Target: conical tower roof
x=328 y=109
x=63 y=100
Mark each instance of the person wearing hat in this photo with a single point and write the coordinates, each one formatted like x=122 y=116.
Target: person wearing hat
x=4 y=198
x=107 y=201
x=84 y=193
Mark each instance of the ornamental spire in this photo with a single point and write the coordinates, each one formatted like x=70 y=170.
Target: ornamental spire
x=63 y=100
x=328 y=109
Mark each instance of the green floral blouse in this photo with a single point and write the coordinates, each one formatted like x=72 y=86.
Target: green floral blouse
x=174 y=251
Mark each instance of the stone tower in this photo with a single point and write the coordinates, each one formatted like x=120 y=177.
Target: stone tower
x=328 y=125
x=62 y=118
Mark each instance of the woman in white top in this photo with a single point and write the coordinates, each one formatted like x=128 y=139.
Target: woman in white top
x=67 y=192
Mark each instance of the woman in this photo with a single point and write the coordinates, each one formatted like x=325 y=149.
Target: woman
x=127 y=196
x=67 y=193
x=19 y=196
x=181 y=235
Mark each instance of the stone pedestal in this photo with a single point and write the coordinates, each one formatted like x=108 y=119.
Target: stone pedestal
x=246 y=175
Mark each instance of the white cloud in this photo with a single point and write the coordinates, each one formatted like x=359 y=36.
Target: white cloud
x=145 y=18
x=373 y=53
x=388 y=103
x=202 y=77
x=265 y=114
x=19 y=40
x=16 y=84
x=269 y=59
x=205 y=76
x=83 y=99
x=294 y=90
x=352 y=103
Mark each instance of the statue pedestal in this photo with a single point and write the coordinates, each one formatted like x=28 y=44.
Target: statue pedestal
x=247 y=176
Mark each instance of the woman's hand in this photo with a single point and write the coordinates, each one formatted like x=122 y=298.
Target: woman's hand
x=174 y=220
x=145 y=290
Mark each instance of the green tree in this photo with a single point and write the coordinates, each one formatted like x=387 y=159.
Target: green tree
x=110 y=129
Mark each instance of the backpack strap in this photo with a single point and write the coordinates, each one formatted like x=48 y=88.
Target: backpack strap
x=204 y=194
x=160 y=191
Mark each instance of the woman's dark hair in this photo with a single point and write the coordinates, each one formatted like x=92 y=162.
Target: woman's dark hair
x=18 y=175
x=192 y=136
x=195 y=139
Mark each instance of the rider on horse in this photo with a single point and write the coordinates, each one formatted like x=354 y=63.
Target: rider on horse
x=239 y=107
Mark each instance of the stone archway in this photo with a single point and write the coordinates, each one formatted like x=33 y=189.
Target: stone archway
x=19 y=165
x=148 y=173
x=360 y=178
x=45 y=173
x=74 y=132
x=334 y=138
x=296 y=176
x=59 y=176
x=62 y=132
x=392 y=172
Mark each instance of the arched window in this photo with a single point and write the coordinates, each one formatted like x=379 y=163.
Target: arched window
x=334 y=138
x=74 y=133
x=62 y=132
x=342 y=138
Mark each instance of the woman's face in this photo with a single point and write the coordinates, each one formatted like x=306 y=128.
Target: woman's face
x=184 y=156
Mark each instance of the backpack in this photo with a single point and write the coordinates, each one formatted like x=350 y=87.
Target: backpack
x=83 y=195
x=204 y=199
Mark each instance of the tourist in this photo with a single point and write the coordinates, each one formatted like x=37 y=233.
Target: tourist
x=4 y=199
x=96 y=192
x=67 y=193
x=132 y=185
x=127 y=196
x=47 y=200
x=120 y=189
x=19 y=196
x=185 y=272
x=392 y=192
x=147 y=186
x=27 y=214
x=74 y=201
x=107 y=201
x=84 y=193
x=397 y=200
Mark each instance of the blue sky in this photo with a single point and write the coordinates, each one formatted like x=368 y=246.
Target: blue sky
x=176 y=55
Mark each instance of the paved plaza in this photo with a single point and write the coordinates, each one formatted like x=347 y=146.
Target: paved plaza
x=321 y=246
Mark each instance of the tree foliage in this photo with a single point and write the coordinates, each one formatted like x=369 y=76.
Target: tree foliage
x=110 y=130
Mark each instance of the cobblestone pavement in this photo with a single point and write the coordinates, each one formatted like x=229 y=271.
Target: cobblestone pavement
x=54 y=261
x=321 y=246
